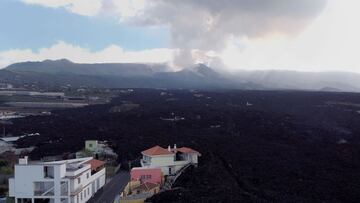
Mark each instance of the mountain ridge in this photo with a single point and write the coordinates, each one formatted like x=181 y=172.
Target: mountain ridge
x=142 y=75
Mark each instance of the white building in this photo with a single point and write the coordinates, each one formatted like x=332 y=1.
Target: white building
x=169 y=160
x=67 y=181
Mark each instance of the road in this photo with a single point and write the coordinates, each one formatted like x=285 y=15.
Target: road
x=111 y=189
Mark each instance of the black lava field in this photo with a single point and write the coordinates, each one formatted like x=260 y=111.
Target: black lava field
x=256 y=146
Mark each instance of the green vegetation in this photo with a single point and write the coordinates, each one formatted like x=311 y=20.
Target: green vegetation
x=10 y=200
x=5 y=168
x=3 y=163
x=86 y=153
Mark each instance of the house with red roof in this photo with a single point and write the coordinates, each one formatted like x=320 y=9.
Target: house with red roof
x=170 y=160
x=146 y=174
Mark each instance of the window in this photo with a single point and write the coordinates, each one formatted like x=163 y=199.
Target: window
x=147 y=158
x=148 y=176
x=24 y=200
x=79 y=180
x=90 y=145
x=87 y=175
x=48 y=172
x=42 y=200
x=88 y=190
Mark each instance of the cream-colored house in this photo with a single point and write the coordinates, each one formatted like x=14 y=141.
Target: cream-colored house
x=92 y=145
x=170 y=160
x=97 y=149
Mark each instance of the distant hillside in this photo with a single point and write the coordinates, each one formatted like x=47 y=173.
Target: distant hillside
x=65 y=66
x=132 y=75
x=116 y=75
x=315 y=81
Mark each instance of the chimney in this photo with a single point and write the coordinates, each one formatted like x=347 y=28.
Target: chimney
x=23 y=161
x=169 y=148
x=175 y=146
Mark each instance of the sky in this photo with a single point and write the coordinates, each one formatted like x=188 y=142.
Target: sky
x=232 y=35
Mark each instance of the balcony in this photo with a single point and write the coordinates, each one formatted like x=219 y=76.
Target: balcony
x=145 y=162
x=43 y=188
x=97 y=174
x=77 y=190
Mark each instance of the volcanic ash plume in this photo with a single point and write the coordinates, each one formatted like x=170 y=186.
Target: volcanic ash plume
x=206 y=26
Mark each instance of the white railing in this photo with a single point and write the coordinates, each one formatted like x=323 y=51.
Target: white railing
x=77 y=190
x=75 y=172
x=97 y=174
x=49 y=192
x=172 y=178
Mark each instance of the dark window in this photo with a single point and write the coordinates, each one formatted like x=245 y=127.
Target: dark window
x=45 y=200
x=24 y=200
x=47 y=170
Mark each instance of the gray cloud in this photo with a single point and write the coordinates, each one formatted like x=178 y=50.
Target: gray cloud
x=208 y=24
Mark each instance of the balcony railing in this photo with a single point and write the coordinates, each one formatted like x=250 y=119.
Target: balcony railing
x=44 y=189
x=48 y=192
x=71 y=172
x=77 y=190
x=145 y=163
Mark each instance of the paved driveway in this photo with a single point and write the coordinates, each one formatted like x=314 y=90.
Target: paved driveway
x=116 y=185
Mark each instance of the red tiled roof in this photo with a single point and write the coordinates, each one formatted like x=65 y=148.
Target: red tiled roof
x=95 y=164
x=157 y=150
x=187 y=150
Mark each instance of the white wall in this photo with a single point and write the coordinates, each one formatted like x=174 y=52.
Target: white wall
x=194 y=158
x=162 y=160
x=167 y=161
x=87 y=183
x=22 y=185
